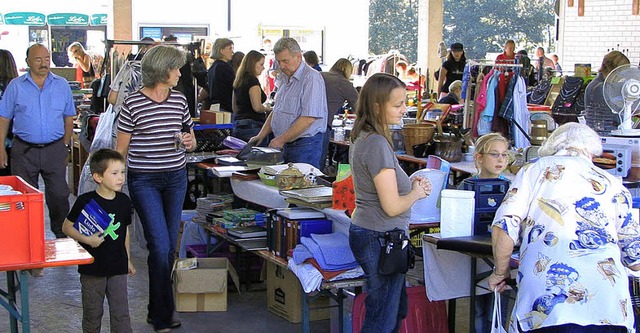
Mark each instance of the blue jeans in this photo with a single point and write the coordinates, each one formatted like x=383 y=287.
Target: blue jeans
x=158 y=199
x=306 y=150
x=386 y=302
x=245 y=129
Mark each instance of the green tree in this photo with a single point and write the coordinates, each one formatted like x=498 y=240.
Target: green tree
x=481 y=25
x=393 y=25
x=484 y=25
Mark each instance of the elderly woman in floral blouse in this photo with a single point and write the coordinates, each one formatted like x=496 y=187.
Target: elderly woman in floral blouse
x=576 y=233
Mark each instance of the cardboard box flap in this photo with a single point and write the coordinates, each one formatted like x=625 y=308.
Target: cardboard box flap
x=209 y=277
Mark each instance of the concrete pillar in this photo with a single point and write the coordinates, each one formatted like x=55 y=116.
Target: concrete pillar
x=430 y=25
x=122 y=22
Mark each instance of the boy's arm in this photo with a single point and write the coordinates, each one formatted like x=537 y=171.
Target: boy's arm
x=132 y=270
x=94 y=240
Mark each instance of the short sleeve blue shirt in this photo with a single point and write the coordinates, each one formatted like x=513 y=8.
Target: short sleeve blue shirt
x=38 y=114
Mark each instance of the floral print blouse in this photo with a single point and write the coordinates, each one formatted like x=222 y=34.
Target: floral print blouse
x=576 y=233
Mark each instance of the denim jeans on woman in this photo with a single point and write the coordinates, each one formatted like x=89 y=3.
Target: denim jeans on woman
x=386 y=302
x=158 y=198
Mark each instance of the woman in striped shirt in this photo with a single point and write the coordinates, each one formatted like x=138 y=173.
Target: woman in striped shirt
x=157 y=175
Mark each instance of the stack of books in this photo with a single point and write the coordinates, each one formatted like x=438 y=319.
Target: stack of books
x=285 y=227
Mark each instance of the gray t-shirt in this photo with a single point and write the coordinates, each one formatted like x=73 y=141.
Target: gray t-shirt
x=368 y=156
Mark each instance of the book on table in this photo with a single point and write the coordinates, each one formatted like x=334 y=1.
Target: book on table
x=300 y=213
x=311 y=194
x=305 y=168
x=253 y=244
x=229 y=160
x=251 y=231
x=228 y=170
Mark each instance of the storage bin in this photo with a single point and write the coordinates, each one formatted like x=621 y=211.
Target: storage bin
x=21 y=224
x=457 y=213
x=489 y=194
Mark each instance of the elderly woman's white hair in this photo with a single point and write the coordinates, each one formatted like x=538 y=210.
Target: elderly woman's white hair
x=575 y=136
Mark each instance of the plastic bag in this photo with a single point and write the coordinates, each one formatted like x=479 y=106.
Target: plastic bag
x=103 y=138
x=496 y=318
x=105 y=132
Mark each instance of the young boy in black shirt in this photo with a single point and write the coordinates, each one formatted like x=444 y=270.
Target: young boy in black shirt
x=108 y=272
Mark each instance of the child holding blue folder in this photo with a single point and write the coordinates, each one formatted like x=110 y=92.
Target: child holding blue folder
x=107 y=275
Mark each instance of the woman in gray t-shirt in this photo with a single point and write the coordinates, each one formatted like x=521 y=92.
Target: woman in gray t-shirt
x=384 y=194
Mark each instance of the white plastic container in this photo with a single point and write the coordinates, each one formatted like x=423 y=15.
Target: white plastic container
x=427 y=209
x=458 y=208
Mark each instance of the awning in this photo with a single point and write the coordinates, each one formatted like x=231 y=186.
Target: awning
x=24 y=18
x=68 y=19
x=99 y=19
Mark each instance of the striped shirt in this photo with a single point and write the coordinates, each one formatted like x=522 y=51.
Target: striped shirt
x=152 y=126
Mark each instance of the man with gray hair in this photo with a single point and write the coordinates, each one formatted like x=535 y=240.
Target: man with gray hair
x=299 y=118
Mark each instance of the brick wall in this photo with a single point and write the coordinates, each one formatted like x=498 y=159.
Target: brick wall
x=606 y=25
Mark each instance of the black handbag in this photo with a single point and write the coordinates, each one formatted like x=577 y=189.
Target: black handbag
x=397 y=254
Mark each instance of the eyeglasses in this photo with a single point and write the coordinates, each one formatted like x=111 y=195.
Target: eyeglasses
x=496 y=155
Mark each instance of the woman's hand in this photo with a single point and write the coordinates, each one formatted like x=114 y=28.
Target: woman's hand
x=189 y=141
x=498 y=281
x=421 y=186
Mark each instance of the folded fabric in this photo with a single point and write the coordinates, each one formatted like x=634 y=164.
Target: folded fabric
x=350 y=274
x=331 y=251
x=335 y=248
x=310 y=278
x=327 y=275
x=300 y=254
x=337 y=275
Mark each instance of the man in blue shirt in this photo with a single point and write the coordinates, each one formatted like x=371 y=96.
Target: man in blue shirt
x=299 y=117
x=41 y=107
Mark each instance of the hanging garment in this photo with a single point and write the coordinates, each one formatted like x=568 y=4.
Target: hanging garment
x=486 y=117
x=481 y=101
x=499 y=124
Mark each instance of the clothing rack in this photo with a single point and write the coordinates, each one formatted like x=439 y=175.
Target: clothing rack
x=488 y=62
x=109 y=43
x=191 y=47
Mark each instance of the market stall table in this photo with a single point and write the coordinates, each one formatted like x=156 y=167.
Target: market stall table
x=451 y=266
x=325 y=289
x=58 y=253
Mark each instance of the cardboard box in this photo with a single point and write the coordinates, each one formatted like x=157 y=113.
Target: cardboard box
x=203 y=288
x=284 y=296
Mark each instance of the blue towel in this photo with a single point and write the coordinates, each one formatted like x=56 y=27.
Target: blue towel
x=300 y=254
x=334 y=247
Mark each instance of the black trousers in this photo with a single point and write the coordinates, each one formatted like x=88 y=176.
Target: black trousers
x=50 y=162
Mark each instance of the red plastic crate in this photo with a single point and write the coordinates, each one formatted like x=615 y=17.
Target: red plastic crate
x=21 y=224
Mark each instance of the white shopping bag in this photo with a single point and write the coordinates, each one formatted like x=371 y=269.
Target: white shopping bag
x=496 y=318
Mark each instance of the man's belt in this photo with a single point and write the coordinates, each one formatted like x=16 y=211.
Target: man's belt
x=36 y=145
